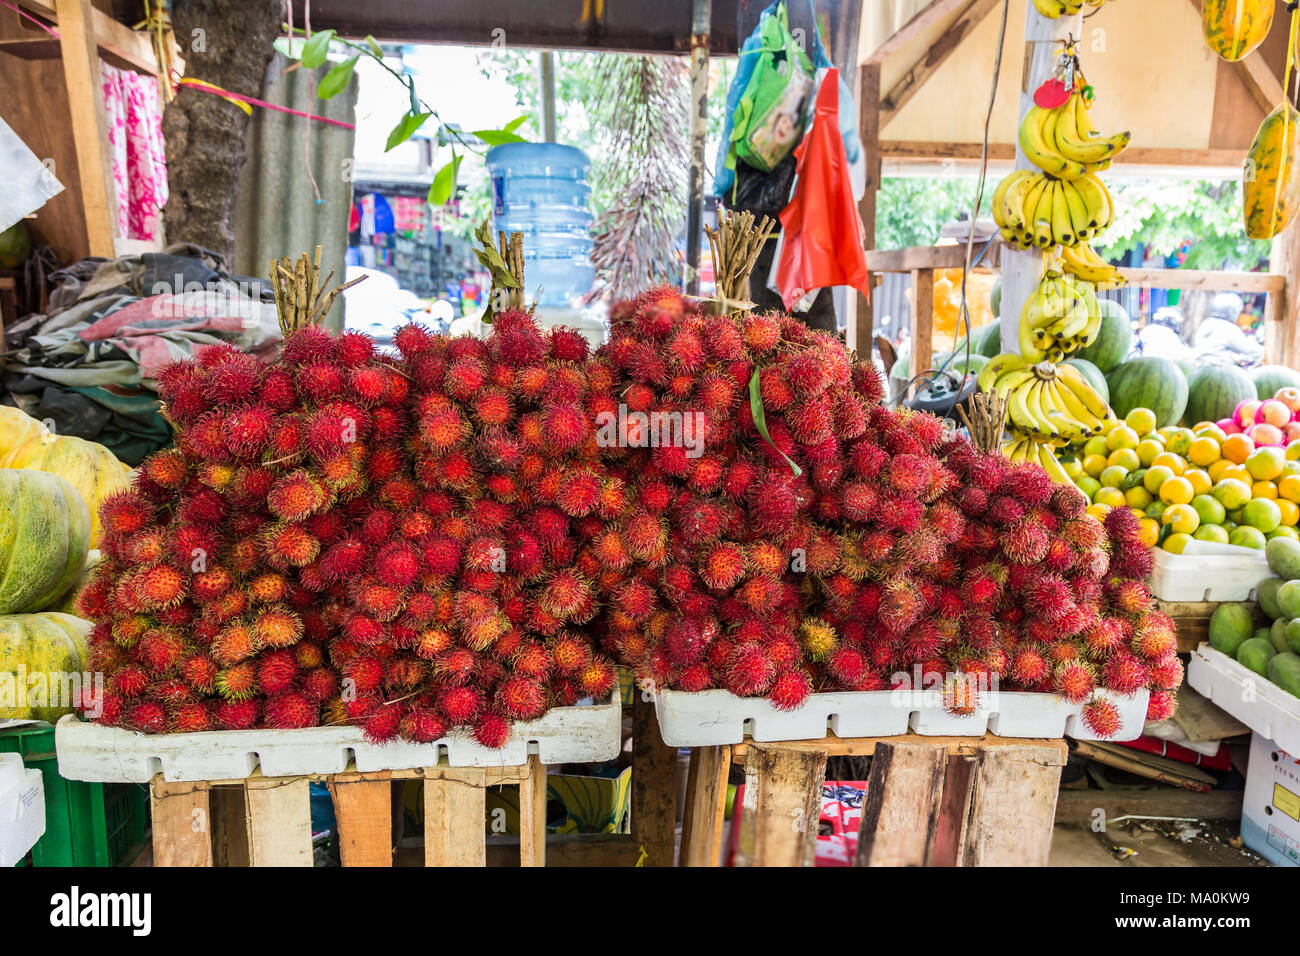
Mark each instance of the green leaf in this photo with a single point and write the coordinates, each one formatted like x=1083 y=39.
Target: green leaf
x=444 y=182
x=375 y=49
x=405 y=129
x=760 y=419
x=317 y=48
x=336 y=80
x=515 y=123
x=495 y=137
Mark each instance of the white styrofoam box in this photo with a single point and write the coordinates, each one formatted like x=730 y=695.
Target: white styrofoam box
x=1207 y=571
x=1270 y=811
x=715 y=717
x=1254 y=700
x=22 y=808
x=112 y=754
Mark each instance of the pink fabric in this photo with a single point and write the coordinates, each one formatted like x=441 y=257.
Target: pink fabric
x=141 y=328
x=136 y=146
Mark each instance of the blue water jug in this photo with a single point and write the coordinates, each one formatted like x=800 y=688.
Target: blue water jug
x=541 y=190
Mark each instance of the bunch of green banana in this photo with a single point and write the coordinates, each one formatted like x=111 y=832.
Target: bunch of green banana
x=1025 y=448
x=1063 y=142
x=1061 y=316
x=1054 y=9
x=1034 y=210
x=1053 y=403
x=1082 y=262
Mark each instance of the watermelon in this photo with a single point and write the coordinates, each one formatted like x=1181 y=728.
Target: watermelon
x=1269 y=378
x=1093 y=376
x=1214 y=391
x=1114 y=339
x=44 y=533
x=1147 y=382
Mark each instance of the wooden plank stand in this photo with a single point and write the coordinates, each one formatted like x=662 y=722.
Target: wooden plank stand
x=266 y=821
x=931 y=801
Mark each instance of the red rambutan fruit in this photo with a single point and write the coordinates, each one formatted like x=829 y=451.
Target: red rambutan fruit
x=1073 y=680
x=1102 y=717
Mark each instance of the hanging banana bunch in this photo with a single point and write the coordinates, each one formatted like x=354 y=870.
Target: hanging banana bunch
x=1061 y=316
x=1083 y=262
x=1055 y=9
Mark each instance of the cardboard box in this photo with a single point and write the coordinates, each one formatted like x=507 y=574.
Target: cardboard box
x=1270 y=813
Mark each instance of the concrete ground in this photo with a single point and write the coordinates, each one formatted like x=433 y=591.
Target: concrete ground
x=1152 y=843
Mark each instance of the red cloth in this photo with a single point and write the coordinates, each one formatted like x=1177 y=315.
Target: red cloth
x=823 y=235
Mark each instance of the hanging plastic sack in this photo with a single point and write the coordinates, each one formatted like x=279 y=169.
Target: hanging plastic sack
x=29 y=183
x=1235 y=28
x=768 y=120
x=1271 y=179
x=822 y=233
x=848 y=124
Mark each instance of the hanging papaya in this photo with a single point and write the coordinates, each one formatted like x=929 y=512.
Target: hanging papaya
x=1234 y=28
x=1271 y=179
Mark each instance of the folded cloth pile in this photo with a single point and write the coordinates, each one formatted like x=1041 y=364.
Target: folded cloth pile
x=89 y=362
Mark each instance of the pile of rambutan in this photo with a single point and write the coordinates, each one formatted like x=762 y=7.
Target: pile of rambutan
x=463 y=535
x=823 y=541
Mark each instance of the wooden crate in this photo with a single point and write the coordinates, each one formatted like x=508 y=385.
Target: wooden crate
x=931 y=801
x=266 y=821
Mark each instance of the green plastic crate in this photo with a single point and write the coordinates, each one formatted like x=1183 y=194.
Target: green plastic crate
x=86 y=824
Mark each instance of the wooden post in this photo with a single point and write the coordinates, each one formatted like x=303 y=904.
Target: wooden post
x=363 y=806
x=706 y=806
x=654 y=786
x=532 y=814
x=701 y=20
x=229 y=826
x=1012 y=806
x=901 y=808
x=782 y=806
x=89 y=123
x=922 y=320
x=860 y=336
x=1282 y=311
x=182 y=823
x=1022 y=270
x=455 y=811
x=278 y=811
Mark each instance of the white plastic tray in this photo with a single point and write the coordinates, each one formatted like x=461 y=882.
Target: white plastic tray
x=715 y=717
x=1254 y=700
x=22 y=809
x=1207 y=571
x=114 y=755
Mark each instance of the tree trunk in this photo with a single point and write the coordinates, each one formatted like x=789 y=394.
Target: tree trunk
x=228 y=45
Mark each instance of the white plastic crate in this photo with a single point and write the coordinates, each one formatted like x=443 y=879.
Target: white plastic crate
x=22 y=808
x=715 y=717
x=1254 y=700
x=112 y=754
x=1207 y=571
x=1270 y=811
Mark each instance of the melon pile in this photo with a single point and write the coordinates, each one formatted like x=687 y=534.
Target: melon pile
x=467 y=534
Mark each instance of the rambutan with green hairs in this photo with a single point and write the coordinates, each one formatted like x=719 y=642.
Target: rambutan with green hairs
x=238 y=681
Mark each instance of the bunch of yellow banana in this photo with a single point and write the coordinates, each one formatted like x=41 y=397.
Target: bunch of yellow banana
x=1082 y=262
x=1026 y=448
x=1054 y=9
x=1062 y=315
x=1035 y=210
x=1062 y=141
x=1052 y=403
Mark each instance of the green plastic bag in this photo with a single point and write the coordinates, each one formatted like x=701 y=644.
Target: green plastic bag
x=769 y=119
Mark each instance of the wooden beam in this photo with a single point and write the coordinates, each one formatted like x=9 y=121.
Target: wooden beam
x=928 y=257
x=1097 y=806
x=936 y=11
x=89 y=124
x=901 y=808
x=924 y=68
x=654 y=785
x=182 y=823
x=116 y=41
x=706 y=803
x=1006 y=152
x=863 y=330
x=922 y=350
x=1202 y=279
x=363 y=807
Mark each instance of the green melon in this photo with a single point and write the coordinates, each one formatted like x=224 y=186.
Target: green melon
x=988 y=339
x=1269 y=378
x=1093 y=375
x=995 y=299
x=1146 y=382
x=49 y=647
x=44 y=538
x=1213 y=392
x=1114 y=340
